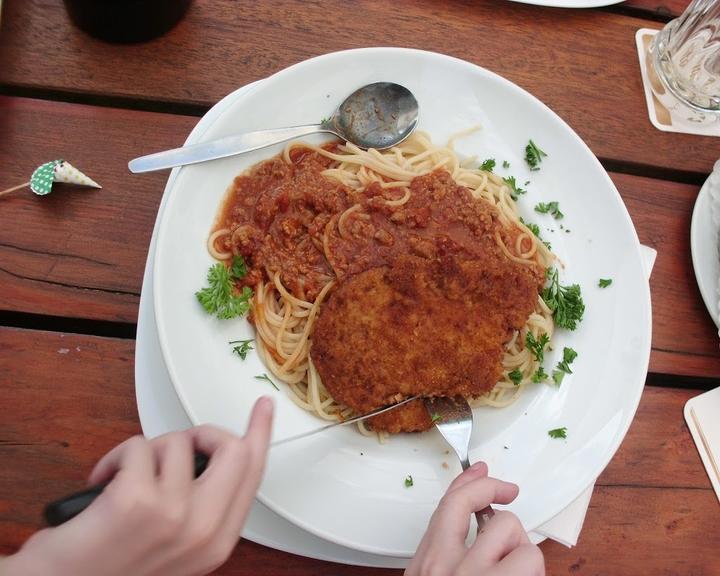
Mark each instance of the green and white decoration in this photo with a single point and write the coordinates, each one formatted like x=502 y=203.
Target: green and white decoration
x=58 y=171
x=44 y=176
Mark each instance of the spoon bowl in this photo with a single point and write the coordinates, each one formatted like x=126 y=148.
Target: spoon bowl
x=379 y=116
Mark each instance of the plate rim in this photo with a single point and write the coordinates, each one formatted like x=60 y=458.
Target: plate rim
x=699 y=219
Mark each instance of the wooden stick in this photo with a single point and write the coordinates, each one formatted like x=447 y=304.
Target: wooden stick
x=14 y=188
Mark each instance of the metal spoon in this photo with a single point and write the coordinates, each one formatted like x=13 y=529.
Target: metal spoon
x=454 y=420
x=378 y=116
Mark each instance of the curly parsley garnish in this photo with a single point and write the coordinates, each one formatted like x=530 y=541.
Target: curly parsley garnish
x=506 y=164
x=242 y=348
x=604 y=282
x=540 y=375
x=533 y=155
x=515 y=377
x=534 y=228
x=558 y=432
x=219 y=297
x=515 y=190
x=267 y=379
x=537 y=345
x=408 y=481
x=551 y=208
x=488 y=165
x=565 y=302
x=563 y=367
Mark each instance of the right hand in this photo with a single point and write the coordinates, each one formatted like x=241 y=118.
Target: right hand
x=501 y=548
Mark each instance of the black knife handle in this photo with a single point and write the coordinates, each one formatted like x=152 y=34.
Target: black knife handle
x=62 y=510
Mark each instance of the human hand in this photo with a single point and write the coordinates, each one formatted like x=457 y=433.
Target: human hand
x=501 y=548
x=154 y=518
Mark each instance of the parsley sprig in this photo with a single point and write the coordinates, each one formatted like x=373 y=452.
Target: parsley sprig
x=408 y=481
x=558 y=432
x=540 y=375
x=515 y=377
x=563 y=367
x=552 y=208
x=242 y=348
x=604 y=282
x=488 y=165
x=267 y=379
x=515 y=190
x=565 y=302
x=537 y=345
x=219 y=297
x=533 y=155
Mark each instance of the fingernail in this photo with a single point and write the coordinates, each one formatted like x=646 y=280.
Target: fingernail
x=479 y=465
x=266 y=402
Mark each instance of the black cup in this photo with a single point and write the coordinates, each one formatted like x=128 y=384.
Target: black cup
x=126 y=21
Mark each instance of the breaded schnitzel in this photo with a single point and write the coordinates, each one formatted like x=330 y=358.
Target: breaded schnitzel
x=430 y=327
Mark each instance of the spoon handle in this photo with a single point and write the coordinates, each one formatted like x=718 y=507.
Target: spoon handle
x=221 y=148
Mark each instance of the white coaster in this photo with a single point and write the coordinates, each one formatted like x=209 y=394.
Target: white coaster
x=665 y=111
x=701 y=415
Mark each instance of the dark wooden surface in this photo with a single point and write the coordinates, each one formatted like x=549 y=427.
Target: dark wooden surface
x=71 y=264
x=581 y=63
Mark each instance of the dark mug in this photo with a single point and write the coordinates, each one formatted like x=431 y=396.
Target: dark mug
x=126 y=21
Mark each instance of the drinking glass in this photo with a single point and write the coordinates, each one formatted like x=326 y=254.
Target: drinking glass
x=686 y=56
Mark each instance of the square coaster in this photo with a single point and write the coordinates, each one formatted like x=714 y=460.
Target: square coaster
x=665 y=111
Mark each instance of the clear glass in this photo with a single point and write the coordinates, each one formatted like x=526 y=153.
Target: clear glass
x=686 y=56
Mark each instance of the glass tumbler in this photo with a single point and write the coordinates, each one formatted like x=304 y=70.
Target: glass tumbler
x=686 y=56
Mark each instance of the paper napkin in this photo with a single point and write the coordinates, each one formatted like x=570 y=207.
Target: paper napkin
x=566 y=526
x=701 y=415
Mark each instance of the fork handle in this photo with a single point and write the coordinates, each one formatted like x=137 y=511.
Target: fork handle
x=483 y=516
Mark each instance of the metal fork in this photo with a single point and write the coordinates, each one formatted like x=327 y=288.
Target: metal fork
x=454 y=420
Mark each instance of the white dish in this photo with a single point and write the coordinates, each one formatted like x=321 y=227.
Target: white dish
x=704 y=238
x=570 y=3
x=347 y=488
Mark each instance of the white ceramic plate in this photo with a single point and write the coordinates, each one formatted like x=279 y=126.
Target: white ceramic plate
x=347 y=488
x=570 y=3
x=704 y=243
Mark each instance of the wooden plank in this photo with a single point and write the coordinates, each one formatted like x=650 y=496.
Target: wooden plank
x=643 y=532
x=658 y=8
x=658 y=448
x=72 y=399
x=67 y=400
x=581 y=63
x=81 y=253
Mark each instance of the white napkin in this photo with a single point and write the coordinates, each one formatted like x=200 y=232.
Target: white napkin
x=566 y=526
x=701 y=417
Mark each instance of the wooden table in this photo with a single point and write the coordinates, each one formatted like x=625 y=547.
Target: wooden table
x=71 y=264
